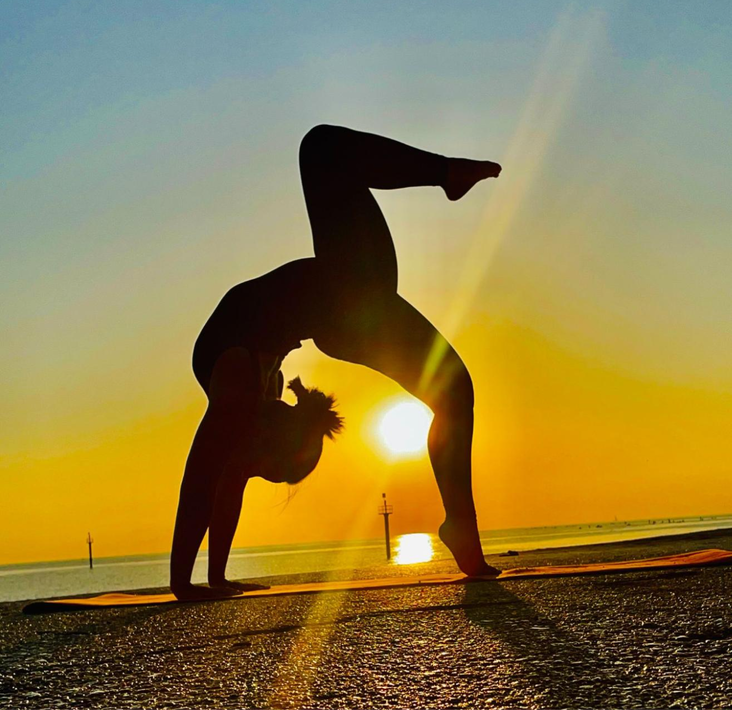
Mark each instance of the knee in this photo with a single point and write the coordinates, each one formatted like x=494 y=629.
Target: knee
x=456 y=395
x=320 y=144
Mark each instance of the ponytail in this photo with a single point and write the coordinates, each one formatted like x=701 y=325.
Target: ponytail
x=316 y=409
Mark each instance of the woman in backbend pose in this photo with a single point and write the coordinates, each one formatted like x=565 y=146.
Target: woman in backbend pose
x=346 y=300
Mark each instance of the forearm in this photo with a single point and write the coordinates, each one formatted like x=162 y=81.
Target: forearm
x=194 y=510
x=211 y=451
x=224 y=521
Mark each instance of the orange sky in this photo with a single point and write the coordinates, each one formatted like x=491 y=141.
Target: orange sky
x=587 y=290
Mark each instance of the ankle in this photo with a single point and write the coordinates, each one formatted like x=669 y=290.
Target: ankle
x=461 y=517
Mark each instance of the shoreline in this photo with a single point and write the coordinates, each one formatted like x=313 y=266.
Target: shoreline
x=655 y=639
x=607 y=528
x=697 y=535
x=656 y=546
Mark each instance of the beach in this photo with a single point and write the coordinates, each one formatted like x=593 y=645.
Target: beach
x=644 y=639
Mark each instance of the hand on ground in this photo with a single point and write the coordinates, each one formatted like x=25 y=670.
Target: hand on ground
x=195 y=593
x=237 y=587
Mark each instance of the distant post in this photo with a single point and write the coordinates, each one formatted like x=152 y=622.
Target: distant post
x=386 y=511
x=89 y=542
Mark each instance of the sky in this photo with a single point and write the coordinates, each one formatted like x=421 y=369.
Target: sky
x=149 y=164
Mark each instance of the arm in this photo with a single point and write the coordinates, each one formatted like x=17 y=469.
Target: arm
x=224 y=521
x=233 y=394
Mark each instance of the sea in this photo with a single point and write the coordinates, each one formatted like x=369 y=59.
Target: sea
x=44 y=580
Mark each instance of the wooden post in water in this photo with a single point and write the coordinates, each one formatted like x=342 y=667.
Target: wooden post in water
x=89 y=542
x=386 y=511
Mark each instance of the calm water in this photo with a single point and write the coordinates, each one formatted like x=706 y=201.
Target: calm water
x=71 y=577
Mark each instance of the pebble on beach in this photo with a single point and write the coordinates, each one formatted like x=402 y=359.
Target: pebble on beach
x=653 y=639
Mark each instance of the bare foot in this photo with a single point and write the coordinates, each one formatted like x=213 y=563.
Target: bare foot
x=462 y=540
x=237 y=587
x=194 y=593
x=462 y=174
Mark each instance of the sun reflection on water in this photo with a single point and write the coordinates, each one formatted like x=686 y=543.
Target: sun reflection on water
x=416 y=547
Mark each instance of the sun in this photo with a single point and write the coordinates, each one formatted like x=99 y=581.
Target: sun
x=403 y=427
x=414 y=547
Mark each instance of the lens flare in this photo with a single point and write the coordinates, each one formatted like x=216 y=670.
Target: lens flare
x=564 y=63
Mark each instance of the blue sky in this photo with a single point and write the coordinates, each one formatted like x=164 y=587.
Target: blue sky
x=149 y=163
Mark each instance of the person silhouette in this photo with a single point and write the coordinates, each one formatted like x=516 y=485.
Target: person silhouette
x=345 y=299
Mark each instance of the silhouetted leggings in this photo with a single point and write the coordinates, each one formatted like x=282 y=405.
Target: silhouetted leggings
x=367 y=322
x=372 y=325
x=338 y=166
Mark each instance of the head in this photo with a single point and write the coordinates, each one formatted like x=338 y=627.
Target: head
x=291 y=438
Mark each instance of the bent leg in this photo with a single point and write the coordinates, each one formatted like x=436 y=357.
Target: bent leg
x=337 y=167
x=389 y=335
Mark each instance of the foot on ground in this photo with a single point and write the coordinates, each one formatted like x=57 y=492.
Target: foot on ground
x=463 y=541
x=462 y=174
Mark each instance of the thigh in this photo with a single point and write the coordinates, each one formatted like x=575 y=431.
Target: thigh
x=349 y=231
x=389 y=335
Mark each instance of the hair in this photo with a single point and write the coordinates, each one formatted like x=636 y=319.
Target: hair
x=317 y=409
x=292 y=440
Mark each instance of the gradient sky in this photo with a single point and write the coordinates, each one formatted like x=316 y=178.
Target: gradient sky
x=149 y=163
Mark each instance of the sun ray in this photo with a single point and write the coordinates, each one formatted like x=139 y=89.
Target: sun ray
x=296 y=674
x=567 y=55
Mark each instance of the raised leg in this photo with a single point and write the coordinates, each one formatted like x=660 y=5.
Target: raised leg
x=338 y=166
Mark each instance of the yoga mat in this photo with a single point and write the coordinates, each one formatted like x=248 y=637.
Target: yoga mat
x=701 y=558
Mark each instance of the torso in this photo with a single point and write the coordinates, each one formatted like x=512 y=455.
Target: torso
x=271 y=313
x=265 y=315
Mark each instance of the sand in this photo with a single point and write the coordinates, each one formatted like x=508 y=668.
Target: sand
x=647 y=639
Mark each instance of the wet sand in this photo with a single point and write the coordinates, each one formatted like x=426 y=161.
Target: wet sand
x=643 y=639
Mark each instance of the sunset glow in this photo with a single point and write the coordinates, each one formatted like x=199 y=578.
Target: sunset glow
x=416 y=547
x=404 y=426
x=151 y=163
